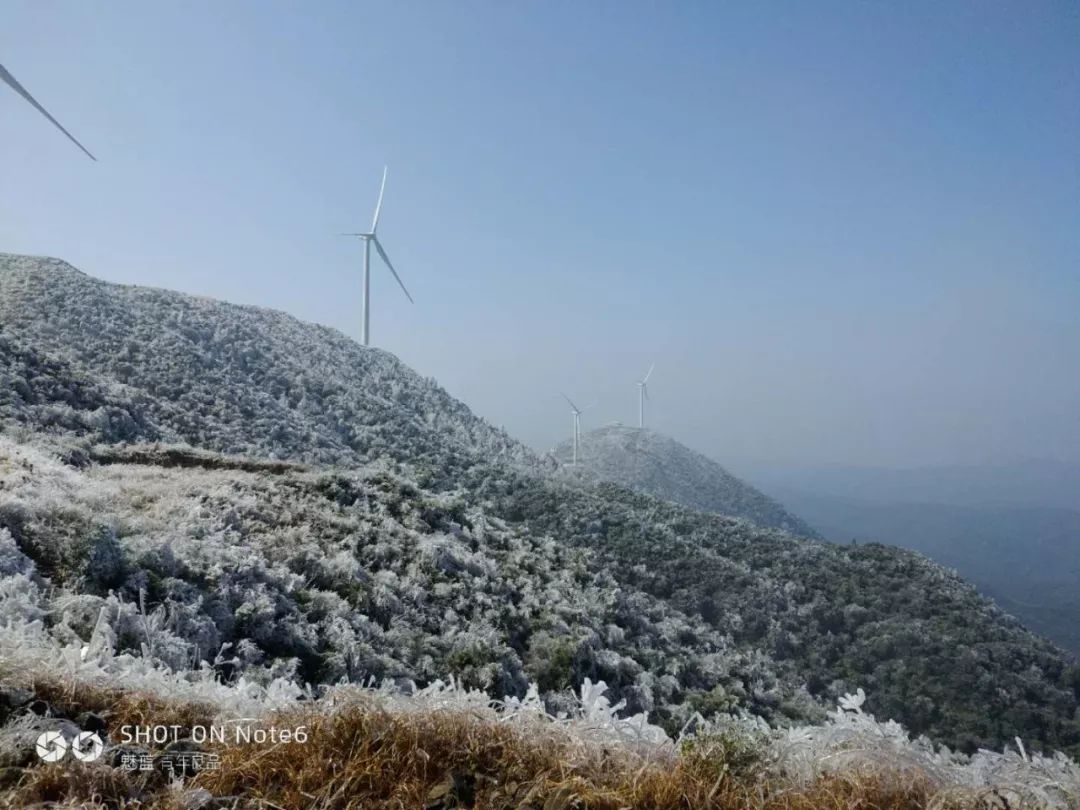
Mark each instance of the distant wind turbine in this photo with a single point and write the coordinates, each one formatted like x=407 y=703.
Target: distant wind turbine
x=643 y=394
x=575 y=425
x=13 y=83
x=370 y=239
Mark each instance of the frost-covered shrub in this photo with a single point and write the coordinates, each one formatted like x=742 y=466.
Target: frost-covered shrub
x=133 y=628
x=12 y=560
x=853 y=741
x=20 y=601
x=551 y=661
x=104 y=566
x=75 y=617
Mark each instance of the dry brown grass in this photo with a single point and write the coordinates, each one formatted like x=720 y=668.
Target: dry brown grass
x=118 y=707
x=77 y=784
x=365 y=756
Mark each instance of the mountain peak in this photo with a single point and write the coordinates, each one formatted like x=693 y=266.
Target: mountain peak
x=20 y=262
x=651 y=462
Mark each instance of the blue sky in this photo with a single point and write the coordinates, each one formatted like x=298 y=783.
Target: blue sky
x=845 y=232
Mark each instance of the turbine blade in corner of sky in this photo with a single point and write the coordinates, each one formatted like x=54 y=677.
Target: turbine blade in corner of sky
x=649 y=374
x=572 y=405
x=378 y=205
x=13 y=83
x=385 y=258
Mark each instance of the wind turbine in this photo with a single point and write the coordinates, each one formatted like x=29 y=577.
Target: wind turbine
x=13 y=83
x=643 y=394
x=370 y=239
x=575 y=424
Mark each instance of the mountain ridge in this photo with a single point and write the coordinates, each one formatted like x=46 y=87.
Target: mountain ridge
x=297 y=391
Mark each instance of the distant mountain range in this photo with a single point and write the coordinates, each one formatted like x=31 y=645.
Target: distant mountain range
x=650 y=462
x=1035 y=483
x=190 y=481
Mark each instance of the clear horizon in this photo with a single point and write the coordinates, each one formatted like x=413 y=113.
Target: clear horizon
x=846 y=235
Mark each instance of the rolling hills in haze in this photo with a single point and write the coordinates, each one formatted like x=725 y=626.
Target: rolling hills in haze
x=1032 y=484
x=186 y=480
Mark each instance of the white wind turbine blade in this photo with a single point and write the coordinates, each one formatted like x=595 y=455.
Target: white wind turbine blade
x=572 y=405
x=645 y=390
x=386 y=259
x=13 y=83
x=649 y=374
x=378 y=205
x=591 y=406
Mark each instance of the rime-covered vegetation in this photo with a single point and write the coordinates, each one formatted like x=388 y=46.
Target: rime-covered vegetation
x=228 y=378
x=445 y=746
x=221 y=488
x=329 y=575
x=644 y=460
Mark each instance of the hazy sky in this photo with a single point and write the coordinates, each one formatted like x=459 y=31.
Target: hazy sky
x=845 y=232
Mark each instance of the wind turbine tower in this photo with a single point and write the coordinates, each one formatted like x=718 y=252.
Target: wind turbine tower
x=575 y=425
x=643 y=394
x=370 y=239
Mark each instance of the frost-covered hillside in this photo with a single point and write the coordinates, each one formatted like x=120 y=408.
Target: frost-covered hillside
x=650 y=462
x=324 y=574
x=235 y=379
x=188 y=481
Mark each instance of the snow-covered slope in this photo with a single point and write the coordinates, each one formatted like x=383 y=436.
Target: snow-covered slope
x=238 y=379
x=189 y=481
x=650 y=462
